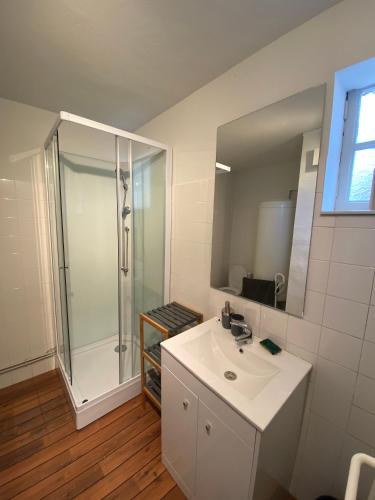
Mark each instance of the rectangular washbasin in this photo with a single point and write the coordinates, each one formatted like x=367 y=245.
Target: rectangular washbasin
x=240 y=368
x=258 y=383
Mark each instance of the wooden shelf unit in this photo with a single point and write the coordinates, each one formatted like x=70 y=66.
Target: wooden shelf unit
x=169 y=320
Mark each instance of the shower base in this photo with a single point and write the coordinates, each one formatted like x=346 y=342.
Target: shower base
x=95 y=390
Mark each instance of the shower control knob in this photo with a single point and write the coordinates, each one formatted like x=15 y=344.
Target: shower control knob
x=185 y=404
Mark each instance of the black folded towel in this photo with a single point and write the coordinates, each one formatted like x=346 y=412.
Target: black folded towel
x=259 y=290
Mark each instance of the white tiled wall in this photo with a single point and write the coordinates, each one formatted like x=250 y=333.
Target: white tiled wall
x=340 y=416
x=25 y=281
x=337 y=333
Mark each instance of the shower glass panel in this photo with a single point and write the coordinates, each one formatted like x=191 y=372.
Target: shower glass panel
x=58 y=257
x=149 y=195
x=87 y=163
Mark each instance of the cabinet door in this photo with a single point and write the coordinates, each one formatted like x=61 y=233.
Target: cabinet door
x=223 y=460
x=179 y=429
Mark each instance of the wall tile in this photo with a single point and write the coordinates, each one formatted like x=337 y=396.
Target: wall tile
x=322 y=450
x=317 y=277
x=303 y=334
x=346 y=316
x=7 y=188
x=308 y=356
x=333 y=393
x=340 y=348
x=273 y=323
x=321 y=243
x=350 y=282
x=364 y=395
x=361 y=425
x=354 y=246
x=251 y=312
x=367 y=364
x=25 y=294
x=356 y=221
x=8 y=207
x=192 y=165
x=314 y=307
x=370 y=327
x=8 y=226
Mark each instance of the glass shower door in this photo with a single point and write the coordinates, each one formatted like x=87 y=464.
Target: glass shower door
x=58 y=256
x=87 y=166
x=148 y=244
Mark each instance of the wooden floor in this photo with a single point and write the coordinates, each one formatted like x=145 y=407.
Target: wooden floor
x=43 y=456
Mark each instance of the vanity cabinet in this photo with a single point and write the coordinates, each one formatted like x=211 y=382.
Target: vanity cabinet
x=212 y=452
x=179 y=420
x=223 y=460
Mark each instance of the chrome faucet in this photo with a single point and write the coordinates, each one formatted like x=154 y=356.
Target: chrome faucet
x=246 y=337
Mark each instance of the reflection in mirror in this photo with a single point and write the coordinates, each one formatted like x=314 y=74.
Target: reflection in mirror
x=266 y=171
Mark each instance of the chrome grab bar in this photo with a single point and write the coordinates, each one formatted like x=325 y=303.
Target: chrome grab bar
x=125 y=266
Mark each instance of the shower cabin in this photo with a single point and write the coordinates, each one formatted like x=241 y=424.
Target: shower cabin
x=109 y=208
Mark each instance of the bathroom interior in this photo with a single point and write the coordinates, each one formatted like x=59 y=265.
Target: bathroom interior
x=187 y=233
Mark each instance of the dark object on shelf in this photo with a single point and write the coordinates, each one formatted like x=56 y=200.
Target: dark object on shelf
x=169 y=320
x=270 y=346
x=155 y=352
x=154 y=381
x=259 y=290
x=154 y=390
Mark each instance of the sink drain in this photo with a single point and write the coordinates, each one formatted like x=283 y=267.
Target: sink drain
x=230 y=375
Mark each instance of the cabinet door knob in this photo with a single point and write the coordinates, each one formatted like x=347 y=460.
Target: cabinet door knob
x=185 y=404
x=208 y=428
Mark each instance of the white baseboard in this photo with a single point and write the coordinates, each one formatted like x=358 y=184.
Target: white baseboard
x=25 y=372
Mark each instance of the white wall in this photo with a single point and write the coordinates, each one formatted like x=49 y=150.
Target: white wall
x=337 y=333
x=26 y=309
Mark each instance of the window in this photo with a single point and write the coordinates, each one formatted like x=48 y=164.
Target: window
x=357 y=161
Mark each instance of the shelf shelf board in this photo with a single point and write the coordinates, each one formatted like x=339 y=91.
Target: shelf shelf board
x=151 y=360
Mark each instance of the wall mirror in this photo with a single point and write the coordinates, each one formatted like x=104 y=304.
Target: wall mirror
x=265 y=180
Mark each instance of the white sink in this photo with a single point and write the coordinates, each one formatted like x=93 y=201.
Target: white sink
x=261 y=384
x=220 y=355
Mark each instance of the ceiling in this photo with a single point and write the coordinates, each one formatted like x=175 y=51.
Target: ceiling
x=123 y=62
x=272 y=135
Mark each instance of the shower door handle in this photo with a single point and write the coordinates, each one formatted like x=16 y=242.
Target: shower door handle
x=125 y=267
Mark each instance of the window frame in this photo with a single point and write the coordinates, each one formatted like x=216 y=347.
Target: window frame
x=349 y=148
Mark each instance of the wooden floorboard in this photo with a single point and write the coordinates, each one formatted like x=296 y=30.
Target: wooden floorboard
x=43 y=456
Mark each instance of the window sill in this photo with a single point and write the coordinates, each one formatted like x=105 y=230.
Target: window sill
x=348 y=212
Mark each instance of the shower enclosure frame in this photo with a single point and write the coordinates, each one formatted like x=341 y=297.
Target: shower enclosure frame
x=127 y=389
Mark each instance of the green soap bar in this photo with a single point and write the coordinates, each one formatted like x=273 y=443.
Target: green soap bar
x=270 y=346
